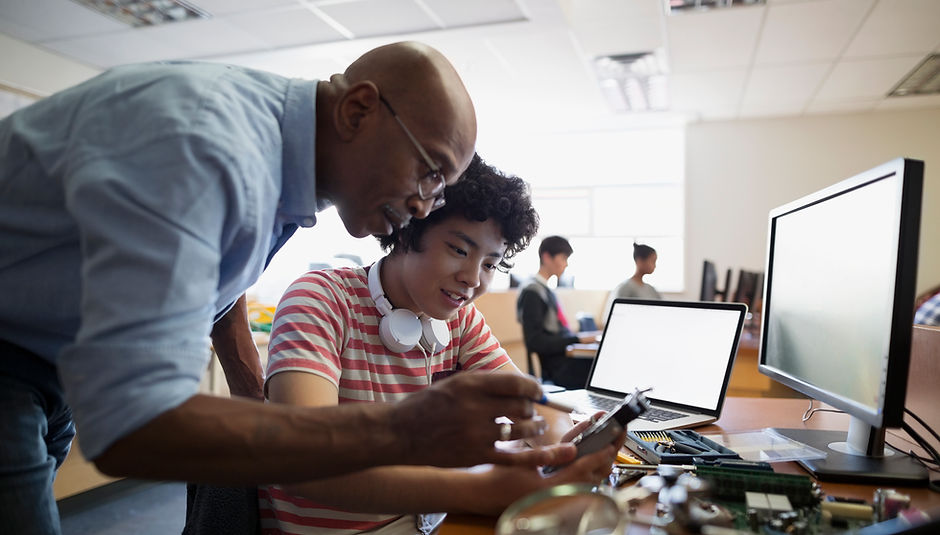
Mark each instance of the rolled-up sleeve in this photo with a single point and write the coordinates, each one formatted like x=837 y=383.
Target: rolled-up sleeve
x=150 y=273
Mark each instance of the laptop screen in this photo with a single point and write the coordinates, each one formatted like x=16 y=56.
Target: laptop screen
x=681 y=352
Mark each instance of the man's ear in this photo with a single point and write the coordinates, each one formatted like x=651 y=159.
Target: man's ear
x=358 y=103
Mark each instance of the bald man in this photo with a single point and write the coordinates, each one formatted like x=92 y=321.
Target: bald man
x=137 y=207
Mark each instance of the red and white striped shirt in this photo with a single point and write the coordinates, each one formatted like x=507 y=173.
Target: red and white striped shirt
x=327 y=324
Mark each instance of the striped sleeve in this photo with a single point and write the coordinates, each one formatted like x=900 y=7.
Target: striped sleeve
x=479 y=349
x=309 y=327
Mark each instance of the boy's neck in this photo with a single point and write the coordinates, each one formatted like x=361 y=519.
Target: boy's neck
x=545 y=273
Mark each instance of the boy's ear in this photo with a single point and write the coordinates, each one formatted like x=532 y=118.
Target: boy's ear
x=356 y=109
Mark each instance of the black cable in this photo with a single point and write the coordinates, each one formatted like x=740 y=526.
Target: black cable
x=922 y=423
x=926 y=461
x=932 y=485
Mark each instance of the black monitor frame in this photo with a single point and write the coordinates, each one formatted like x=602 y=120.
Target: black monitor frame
x=749 y=287
x=863 y=457
x=709 y=289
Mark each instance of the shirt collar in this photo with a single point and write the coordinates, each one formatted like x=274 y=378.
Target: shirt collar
x=298 y=203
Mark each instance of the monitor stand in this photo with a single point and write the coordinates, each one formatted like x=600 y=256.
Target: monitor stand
x=847 y=461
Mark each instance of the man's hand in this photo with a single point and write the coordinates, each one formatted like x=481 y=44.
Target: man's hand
x=452 y=423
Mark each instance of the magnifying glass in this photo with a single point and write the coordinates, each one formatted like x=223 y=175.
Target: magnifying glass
x=571 y=509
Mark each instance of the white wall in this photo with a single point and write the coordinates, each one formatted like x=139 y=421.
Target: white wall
x=37 y=71
x=737 y=171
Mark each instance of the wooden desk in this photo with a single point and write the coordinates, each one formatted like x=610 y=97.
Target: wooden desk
x=744 y=414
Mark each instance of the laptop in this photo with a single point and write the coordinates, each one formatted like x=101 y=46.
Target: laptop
x=683 y=351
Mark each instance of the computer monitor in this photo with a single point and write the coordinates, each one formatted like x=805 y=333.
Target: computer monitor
x=710 y=290
x=749 y=288
x=838 y=314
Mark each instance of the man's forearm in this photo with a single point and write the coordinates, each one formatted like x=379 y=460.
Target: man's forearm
x=234 y=441
x=236 y=351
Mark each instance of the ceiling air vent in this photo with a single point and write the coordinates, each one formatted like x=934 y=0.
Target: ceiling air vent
x=923 y=80
x=687 y=6
x=139 y=13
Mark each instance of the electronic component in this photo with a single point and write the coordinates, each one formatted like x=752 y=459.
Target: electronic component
x=731 y=484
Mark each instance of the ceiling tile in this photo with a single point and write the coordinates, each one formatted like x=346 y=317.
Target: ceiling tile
x=608 y=38
x=457 y=14
x=190 y=37
x=898 y=27
x=715 y=94
x=45 y=20
x=607 y=27
x=791 y=83
x=112 y=49
x=871 y=78
x=811 y=31
x=223 y=7
x=289 y=26
x=841 y=106
x=366 y=18
x=714 y=39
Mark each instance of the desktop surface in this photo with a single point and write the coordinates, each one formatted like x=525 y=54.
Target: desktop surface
x=745 y=414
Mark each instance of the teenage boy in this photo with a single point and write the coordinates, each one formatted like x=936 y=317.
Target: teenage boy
x=545 y=329
x=383 y=333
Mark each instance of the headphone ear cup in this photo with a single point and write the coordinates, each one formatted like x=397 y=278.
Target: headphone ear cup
x=435 y=334
x=400 y=330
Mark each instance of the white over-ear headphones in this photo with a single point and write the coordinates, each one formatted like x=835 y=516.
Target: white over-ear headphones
x=400 y=329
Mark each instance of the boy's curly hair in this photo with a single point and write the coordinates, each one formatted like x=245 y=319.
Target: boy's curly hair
x=482 y=193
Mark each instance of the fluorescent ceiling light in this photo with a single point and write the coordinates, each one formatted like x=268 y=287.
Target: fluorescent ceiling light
x=923 y=80
x=685 y=6
x=146 y=12
x=634 y=82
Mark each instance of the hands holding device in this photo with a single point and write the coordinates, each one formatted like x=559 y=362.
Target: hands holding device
x=452 y=423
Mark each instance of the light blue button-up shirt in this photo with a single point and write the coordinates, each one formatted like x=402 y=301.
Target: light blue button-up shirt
x=134 y=208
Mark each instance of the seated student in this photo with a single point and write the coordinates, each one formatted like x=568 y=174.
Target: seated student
x=544 y=326
x=644 y=257
x=342 y=336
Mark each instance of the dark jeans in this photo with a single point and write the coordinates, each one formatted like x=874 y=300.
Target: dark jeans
x=36 y=433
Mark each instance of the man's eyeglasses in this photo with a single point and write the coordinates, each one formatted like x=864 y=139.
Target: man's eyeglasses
x=430 y=185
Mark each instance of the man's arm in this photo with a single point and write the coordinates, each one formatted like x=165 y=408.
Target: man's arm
x=420 y=489
x=238 y=441
x=237 y=353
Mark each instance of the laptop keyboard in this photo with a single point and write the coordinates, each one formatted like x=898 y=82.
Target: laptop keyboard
x=653 y=415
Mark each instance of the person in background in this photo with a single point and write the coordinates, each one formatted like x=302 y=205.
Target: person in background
x=927 y=307
x=644 y=257
x=340 y=336
x=545 y=328
x=138 y=207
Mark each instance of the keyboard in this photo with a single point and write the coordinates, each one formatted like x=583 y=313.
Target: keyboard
x=655 y=415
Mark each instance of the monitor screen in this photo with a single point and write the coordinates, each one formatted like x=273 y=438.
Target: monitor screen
x=834 y=267
x=838 y=298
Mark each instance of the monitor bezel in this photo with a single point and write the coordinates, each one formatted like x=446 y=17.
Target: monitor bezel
x=891 y=410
